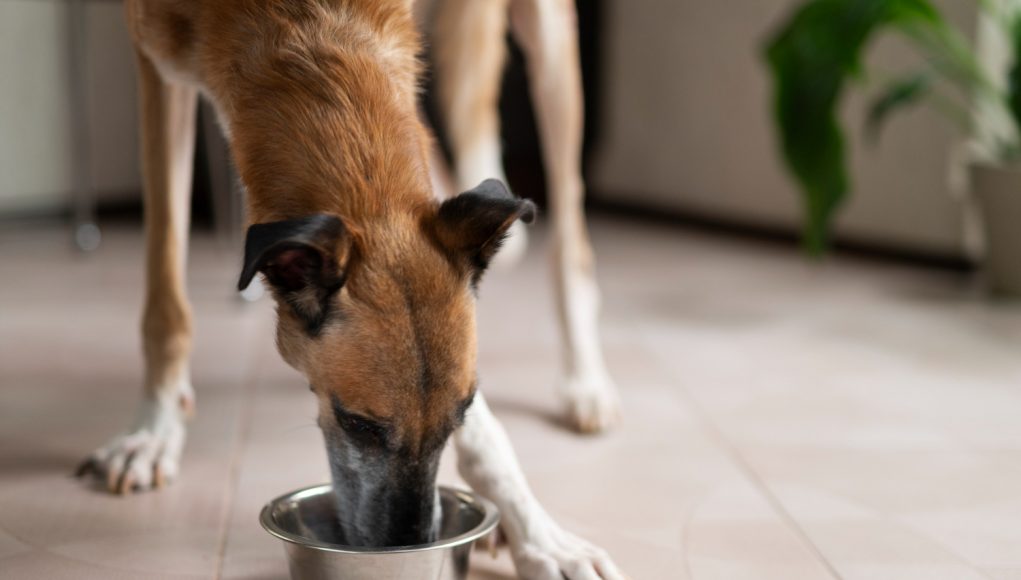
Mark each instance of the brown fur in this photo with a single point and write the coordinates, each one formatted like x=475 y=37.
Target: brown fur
x=321 y=101
x=469 y=43
x=373 y=276
x=168 y=131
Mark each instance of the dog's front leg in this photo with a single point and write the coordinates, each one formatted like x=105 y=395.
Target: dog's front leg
x=541 y=549
x=147 y=455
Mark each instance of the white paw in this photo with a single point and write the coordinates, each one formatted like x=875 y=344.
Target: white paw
x=148 y=455
x=513 y=248
x=557 y=554
x=591 y=401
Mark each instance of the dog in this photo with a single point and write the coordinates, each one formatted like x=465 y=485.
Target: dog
x=374 y=276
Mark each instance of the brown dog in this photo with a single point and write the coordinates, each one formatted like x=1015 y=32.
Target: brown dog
x=374 y=277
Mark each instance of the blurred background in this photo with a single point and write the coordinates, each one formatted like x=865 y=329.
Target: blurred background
x=678 y=124
x=849 y=414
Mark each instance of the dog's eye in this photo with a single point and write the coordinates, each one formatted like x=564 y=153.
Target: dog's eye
x=363 y=429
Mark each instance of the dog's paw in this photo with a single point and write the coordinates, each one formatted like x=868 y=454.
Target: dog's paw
x=591 y=402
x=559 y=554
x=147 y=456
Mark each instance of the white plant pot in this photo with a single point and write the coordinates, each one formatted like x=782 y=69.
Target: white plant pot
x=998 y=191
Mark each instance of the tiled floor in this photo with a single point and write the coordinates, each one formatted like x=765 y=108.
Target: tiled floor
x=783 y=420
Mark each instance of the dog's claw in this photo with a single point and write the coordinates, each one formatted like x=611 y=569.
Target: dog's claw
x=492 y=542
x=496 y=539
x=86 y=467
x=125 y=484
x=112 y=477
x=559 y=554
x=157 y=478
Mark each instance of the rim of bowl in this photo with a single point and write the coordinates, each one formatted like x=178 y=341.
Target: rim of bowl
x=490 y=518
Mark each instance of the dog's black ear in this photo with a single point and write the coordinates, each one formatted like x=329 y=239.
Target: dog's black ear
x=475 y=223
x=302 y=259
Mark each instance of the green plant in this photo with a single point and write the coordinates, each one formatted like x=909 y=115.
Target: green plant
x=820 y=48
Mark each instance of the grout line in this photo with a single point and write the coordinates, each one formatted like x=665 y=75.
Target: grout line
x=247 y=392
x=745 y=466
x=689 y=573
x=742 y=464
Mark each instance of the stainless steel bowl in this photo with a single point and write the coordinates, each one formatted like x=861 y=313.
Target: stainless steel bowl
x=306 y=521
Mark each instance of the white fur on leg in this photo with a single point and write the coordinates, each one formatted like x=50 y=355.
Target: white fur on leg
x=589 y=394
x=148 y=455
x=514 y=247
x=480 y=162
x=254 y=291
x=541 y=549
x=547 y=33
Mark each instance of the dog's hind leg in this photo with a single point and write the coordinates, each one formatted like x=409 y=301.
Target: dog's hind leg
x=470 y=51
x=547 y=33
x=147 y=455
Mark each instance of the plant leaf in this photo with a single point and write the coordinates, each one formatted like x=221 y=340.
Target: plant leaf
x=810 y=59
x=898 y=94
x=1014 y=75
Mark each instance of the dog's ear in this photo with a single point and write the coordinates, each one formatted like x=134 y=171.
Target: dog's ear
x=303 y=260
x=475 y=223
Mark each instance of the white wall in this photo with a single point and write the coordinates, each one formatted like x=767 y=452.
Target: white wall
x=36 y=169
x=687 y=127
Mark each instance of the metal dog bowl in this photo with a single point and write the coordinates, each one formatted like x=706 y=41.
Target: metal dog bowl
x=305 y=520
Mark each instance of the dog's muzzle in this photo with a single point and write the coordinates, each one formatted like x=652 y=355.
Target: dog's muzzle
x=384 y=499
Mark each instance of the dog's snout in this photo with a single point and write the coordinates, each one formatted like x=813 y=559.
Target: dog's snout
x=411 y=513
x=384 y=499
x=393 y=517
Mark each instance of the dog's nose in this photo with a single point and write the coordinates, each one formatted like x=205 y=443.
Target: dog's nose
x=413 y=517
x=387 y=518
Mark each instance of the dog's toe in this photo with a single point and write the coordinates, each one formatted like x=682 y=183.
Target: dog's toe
x=560 y=555
x=87 y=467
x=146 y=458
x=165 y=471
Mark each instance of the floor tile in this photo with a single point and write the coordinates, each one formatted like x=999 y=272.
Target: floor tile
x=781 y=419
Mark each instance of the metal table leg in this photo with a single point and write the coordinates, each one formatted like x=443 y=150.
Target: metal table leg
x=86 y=232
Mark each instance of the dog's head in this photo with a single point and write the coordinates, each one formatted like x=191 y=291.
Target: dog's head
x=381 y=321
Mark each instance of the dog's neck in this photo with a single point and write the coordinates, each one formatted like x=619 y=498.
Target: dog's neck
x=324 y=120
